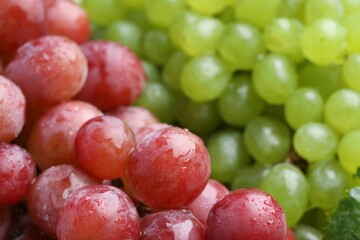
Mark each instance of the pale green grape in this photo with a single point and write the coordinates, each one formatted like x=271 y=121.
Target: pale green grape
x=315 y=142
x=250 y=176
x=151 y=71
x=208 y=7
x=199 y=118
x=267 y=140
x=204 y=78
x=239 y=103
x=305 y=105
x=257 y=12
x=282 y=35
x=240 y=45
x=228 y=15
x=324 y=42
x=172 y=69
x=288 y=185
x=178 y=25
x=160 y=100
x=351 y=71
x=317 y=9
x=139 y=18
x=126 y=33
x=342 y=110
x=325 y=79
x=352 y=24
x=328 y=182
x=157 y=46
x=305 y=232
x=161 y=13
x=134 y=4
x=200 y=35
x=349 y=151
x=351 y=7
x=104 y=12
x=292 y=8
x=275 y=78
x=228 y=154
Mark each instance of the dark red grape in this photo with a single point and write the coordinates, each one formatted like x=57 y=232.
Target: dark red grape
x=52 y=137
x=98 y=212
x=169 y=168
x=201 y=206
x=17 y=170
x=12 y=110
x=68 y=19
x=33 y=233
x=49 y=70
x=171 y=225
x=49 y=192
x=103 y=145
x=20 y=21
x=5 y=221
x=116 y=77
x=246 y=214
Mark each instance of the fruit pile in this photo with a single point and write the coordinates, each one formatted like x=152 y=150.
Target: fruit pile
x=179 y=119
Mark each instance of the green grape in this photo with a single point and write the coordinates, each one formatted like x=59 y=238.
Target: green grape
x=240 y=45
x=352 y=24
x=315 y=217
x=134 y=4
x=351 y=71
x=305 y=105
x=159 y=100
x=208 y=7
x=126 y=33
x=151 y=71
x=325 y=79
x=315 y=142
x=275 y=111
x=288 y=185
x=204 y=78
x=177 y=27
x=104 y=12
x=351 y=7
x=292 y=8
x=267 y=140
x=200 y=35
x=228 y=15
x=324 y=42
x=97 y=32
x=342 y=110
x=172 y=69
x=305 y=232
x=250 y=176
x=328 y=182
x=258 y=12
x=157 y=46
x=228 y=154
x=161 y=13
x=199 y=118
x=349 y=151
x=275 y=78
x=317 y=9
x=139 y=18
x=282 y=35
x=239 y=103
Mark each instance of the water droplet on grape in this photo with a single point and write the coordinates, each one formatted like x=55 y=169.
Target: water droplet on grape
x=270 y=223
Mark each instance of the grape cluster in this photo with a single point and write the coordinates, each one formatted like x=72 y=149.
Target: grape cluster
x=177 y=119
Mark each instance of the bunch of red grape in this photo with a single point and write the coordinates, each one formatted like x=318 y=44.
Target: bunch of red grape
x=77 y=161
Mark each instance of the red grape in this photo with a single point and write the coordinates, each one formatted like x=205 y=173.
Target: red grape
x=49 y=192
x=169 y=168
x=103 y=145
x=171 y=225
x=52 y=137
x=201 y=206
x=135 y=117
x=20 y=21
x=49 y=70
x=68 y=19
x=142 y=132
x=5 y=221
x=290 y=235
x=12 y=110
x=98 y=212
x=116 y=77
x=17 y=170
x=246 y=214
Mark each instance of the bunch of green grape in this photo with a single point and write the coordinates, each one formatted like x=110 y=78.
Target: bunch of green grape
x=272 y=86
